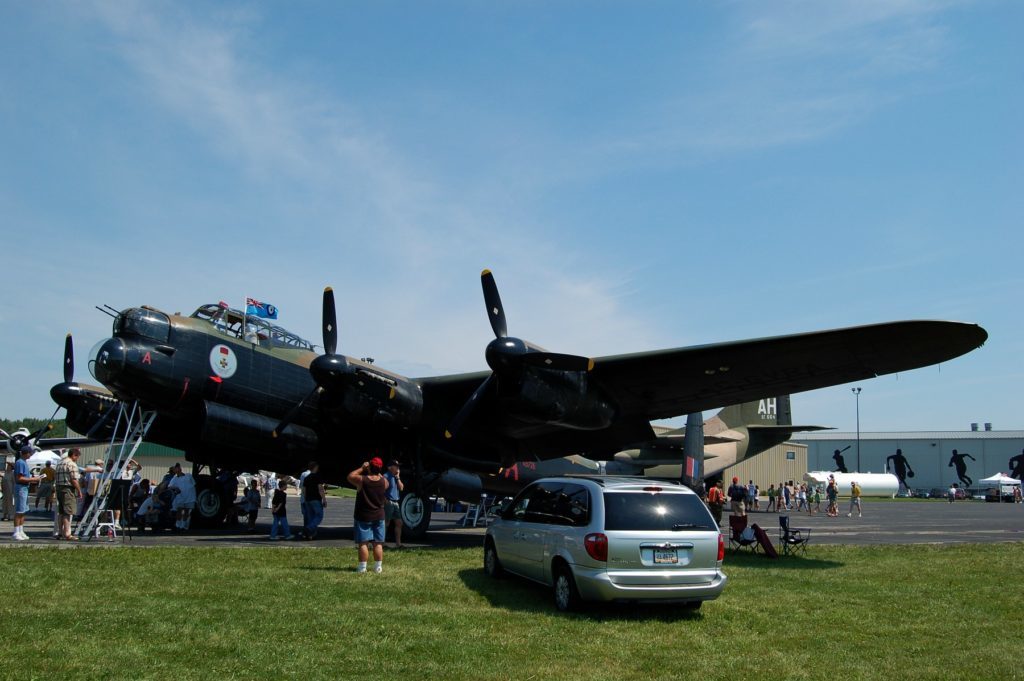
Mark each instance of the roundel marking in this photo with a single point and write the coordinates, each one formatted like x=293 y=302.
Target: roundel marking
x=223 y=361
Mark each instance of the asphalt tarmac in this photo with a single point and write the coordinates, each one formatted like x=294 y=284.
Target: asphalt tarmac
x=883 y=522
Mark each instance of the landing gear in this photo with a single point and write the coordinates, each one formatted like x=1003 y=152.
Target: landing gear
x=415 y=513
x=211 y=507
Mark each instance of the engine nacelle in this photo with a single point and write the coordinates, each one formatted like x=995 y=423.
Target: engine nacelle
x=237 y=429
x=383 y=400
x=564 y=398
x=456 y=484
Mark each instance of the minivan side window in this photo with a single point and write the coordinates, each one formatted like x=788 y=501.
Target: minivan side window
x=517 y=509
x=553 y=503
x=573 y=505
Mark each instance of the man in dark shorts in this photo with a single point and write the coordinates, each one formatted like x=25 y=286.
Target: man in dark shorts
x=371 y=498
x=69 y=491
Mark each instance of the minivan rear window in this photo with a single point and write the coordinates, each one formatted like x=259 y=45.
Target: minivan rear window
x=655 y=512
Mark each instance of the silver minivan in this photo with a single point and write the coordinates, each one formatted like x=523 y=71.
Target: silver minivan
x=596 y=538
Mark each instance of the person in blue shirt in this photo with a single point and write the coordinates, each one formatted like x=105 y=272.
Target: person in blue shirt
x=22 y=479
x=392 y=512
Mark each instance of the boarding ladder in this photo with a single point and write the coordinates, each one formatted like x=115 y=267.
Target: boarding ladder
x=135 y=422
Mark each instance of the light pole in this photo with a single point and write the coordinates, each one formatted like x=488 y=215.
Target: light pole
x=856 y=394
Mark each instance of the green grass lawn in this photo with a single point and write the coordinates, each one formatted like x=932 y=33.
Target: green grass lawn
x=842 y=613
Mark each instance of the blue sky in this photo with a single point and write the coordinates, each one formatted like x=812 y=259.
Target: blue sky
x=637 y=175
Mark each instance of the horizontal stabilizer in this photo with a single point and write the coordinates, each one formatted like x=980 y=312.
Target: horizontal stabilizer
x=677 y=436
x=784 y=429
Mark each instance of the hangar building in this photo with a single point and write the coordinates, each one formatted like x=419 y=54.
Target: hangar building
x=928 y=452
x=787 y=461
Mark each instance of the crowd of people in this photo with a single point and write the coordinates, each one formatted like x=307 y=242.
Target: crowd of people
x=788 y=496
x=68 y=489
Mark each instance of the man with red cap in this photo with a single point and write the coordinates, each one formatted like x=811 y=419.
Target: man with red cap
x=737 y=494
x=371 y=498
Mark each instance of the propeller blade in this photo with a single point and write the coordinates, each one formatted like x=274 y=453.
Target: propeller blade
x=290 y=416
x=69 y=359
x=99 y=424
x=495 y=312
x=330 y=323
x=467 y=408
x=558 y=361
x=45 y=429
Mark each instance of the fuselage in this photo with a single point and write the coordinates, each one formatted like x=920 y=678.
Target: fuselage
x=221 y=383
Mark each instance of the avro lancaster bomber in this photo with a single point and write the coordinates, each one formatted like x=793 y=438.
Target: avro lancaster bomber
x=239 y=393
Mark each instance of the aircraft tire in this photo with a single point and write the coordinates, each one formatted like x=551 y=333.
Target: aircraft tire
x=211 y=507
x=415 y=514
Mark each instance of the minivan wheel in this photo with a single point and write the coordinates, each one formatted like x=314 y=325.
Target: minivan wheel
x=492 y=565
x=693 y=606
x=567 y=598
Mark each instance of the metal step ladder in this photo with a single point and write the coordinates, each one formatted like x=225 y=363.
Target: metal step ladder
x=476 y=513
x=135 y=423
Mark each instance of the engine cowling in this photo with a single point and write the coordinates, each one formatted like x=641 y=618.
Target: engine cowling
x=238 y=429
x=559 y=397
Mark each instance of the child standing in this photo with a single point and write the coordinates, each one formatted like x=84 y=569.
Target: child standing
x=279 y=510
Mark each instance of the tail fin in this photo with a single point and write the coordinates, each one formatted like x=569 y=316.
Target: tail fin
x=768 y=411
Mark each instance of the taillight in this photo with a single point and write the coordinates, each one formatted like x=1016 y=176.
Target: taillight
x=596 y=545
x=721 y=547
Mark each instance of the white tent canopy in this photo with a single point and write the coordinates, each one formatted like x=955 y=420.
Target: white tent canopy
x=997 y=480
x=39 y=459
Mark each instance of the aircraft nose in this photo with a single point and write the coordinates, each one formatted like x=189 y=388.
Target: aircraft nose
x=109 y=361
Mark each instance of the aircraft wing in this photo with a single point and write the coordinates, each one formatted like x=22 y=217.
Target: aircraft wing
x=61 y=442
x=667 y=383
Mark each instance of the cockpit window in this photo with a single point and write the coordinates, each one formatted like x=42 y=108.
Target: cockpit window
x=234 y=323
x=145 y=323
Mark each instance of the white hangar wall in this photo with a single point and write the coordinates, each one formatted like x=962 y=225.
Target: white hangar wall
x=928 y=452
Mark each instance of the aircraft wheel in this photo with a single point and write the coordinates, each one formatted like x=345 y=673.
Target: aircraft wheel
x=210 y=504
x=415 y=514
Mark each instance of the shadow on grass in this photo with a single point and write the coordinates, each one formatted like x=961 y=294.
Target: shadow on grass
x=513 y=593
x=759 y=561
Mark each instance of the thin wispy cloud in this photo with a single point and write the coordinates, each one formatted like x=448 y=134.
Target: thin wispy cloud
x=423 y=239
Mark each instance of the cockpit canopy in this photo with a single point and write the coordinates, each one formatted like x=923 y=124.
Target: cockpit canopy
x=234 y=323
x=143 y=322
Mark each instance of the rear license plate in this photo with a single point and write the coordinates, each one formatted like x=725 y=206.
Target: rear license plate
x=663 y=556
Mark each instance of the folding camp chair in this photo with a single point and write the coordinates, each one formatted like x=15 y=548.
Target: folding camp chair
x=793 y=539
x=739 y=536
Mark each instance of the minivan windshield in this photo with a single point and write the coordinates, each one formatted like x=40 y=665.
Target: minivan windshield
x=655 y=512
